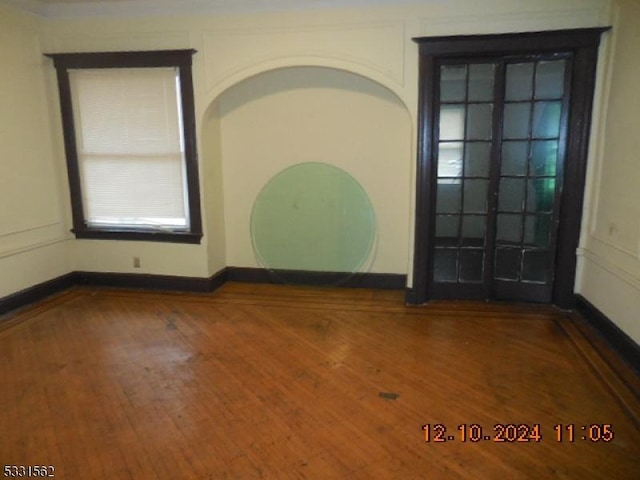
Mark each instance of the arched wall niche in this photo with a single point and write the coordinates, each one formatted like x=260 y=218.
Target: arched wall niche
x=273 y=118
x=354 y=67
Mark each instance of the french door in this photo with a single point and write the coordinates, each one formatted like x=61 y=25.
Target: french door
x=501 y=165
x=500 y=135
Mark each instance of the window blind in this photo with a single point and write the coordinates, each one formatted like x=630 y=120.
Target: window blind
x=130 y=147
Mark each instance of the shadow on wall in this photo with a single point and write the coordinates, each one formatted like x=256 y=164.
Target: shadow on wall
x=301 y=78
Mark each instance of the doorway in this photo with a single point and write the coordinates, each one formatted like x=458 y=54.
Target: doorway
x=502 y=154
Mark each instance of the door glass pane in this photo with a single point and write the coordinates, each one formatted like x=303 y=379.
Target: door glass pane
x=475 y=196
x=507 y=263
x=481 y=82
x=471 y=265
x=447 y=230
x=473 y=230
x=550 y=79
x=544 y=157
x=514 y=158
x=479 y=121
x=541 y=193
x=516 y=120
x=450 y=159
x=448 y=198
x=511 y=196
x=519 y=84
x=445 y=265
x=546 y=119
x=509 y=228
x=476 y=159
x=536 y=230
x=535 y=266
x=451 y=122
x=452 y=83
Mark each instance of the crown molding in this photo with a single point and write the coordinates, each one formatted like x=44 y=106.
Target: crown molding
x=129 y=8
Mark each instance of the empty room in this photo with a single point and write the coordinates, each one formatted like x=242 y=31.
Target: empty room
x=320 y=239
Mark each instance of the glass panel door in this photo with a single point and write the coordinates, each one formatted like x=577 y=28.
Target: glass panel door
x=464 y=165
x=528 y=184
x=499 y=150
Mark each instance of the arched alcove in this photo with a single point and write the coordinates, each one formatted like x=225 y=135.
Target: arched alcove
x=275 y=119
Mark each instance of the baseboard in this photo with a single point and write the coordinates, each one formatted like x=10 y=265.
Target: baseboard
x=388 y=281
x=150 y=281
x=624 y=345
x=410 y=296
x=197 y=284
x=36 y=292
x=218 y=279
x=117 y=280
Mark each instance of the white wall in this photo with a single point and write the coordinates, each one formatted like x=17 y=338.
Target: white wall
x=609 y=260
x=374 y=43
x=33 y=226
x=371 y=47
x=210 y=138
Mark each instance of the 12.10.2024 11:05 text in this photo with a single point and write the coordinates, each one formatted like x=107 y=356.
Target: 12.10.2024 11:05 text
x=517 y=433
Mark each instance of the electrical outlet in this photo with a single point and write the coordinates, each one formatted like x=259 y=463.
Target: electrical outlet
x=136 y=262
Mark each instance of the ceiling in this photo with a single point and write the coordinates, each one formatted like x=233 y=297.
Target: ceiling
x=73 y=8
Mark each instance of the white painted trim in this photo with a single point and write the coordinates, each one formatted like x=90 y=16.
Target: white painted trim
x=390 y=76
x=598 y=129
x=131 y=8
x=634 y=255
x=614 y=270
x=528 y=20
x=322 y=61
x=28 y=229
x=35 y=246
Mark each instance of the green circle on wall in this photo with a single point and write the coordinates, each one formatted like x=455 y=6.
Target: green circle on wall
x=313 y=217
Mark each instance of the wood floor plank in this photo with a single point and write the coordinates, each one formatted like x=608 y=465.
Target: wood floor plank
x=273 y=382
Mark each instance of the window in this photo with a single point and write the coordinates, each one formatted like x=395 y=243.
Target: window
x=128 y=120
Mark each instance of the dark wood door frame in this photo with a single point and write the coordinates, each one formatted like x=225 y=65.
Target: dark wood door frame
x=583 y=45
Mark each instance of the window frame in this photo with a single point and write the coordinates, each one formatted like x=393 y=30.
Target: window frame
x=180 y=59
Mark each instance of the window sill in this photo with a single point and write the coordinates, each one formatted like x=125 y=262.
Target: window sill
x=138 y=235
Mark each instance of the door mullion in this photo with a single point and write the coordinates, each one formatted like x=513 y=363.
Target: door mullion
x=494 y=178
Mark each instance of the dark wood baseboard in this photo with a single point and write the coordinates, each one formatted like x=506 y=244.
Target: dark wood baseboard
x=117 y=280
x=411 y=296
x=624 y=345
x=36 y=292
x=29 y=295
x=218 y=279
x=387 y=281
x=151 y=282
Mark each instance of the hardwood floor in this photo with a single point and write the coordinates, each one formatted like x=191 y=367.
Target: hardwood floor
x=263 y=381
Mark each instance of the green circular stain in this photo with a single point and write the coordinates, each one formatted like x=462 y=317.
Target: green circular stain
x=312 y=217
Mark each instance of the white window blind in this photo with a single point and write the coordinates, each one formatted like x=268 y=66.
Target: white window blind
x=130 y=147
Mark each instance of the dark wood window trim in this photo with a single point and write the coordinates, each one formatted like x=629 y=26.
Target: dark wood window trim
x=583 y=45
x=181 y=59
